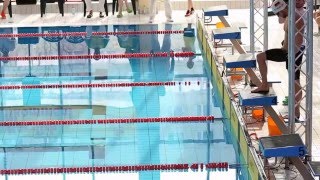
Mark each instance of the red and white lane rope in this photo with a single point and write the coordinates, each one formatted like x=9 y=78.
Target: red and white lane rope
x=95 y=85
x=130 y=168
x=108 y=121
x=101 y=56
x=59 y=34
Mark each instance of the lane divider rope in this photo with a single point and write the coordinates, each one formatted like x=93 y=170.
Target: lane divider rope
x=108 y=121
x=94 y=85
x=101 y=56
x=61 y=34
x=222 y=166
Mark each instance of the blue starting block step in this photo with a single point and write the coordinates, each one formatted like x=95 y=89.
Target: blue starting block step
x=216 y=11
x=315 y=168
x=227 y=33
x=240 y=61
x=246 y=98
x=289 y=145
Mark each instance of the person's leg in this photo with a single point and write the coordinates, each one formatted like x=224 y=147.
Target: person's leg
x=152 y=10
x=277 y=55
x=89 y=8
x=4 y=8
x=127 y=6
x=262 y=62
x=168 y=10
x=188 y=13
x=120 y=4
x=101 y=8
x=190 y=4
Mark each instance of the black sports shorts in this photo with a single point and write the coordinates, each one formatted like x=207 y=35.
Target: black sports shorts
x=279 y=55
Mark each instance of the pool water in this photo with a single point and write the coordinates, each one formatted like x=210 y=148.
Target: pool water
x=119 y=144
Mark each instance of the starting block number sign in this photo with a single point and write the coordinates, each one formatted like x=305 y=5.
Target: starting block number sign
x=301 y=151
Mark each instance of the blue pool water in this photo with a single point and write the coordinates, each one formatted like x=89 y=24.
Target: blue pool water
x=24 y=147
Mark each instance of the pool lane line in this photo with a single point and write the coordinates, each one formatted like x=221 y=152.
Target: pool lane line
x=101 y=56
x=109 y=121
x=98 y=85
x=195 y=167
x=64 y=34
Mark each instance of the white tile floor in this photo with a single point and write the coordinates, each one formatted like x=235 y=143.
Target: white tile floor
x=52 y=19
x=237 y=15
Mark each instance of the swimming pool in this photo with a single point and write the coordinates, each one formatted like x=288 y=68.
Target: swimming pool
x=68 y=151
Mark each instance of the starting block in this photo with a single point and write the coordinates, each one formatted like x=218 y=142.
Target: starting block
x=256 y=49
x=289 y=145
x=246 y=98
x=226 y=33
x=216 y=11
x=240 y=61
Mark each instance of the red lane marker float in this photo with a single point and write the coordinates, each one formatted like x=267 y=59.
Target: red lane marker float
x=109 y=121
x=85 y=33
x=133 y=168
x=101 y=56
x=96 y=85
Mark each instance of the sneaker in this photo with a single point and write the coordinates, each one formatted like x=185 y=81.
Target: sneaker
x=3 y=15
x=119 y=16
x=315 y=34
x=150 y=21
x=129 y=10
x=101 y=15
x=169 y=20
x=89 y=15
x=192 y=11
x=188 y=13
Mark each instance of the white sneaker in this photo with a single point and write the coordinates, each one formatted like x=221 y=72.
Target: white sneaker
x=151 y=20
x=169 y=20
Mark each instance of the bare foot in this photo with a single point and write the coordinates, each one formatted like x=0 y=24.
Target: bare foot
x=261 y=89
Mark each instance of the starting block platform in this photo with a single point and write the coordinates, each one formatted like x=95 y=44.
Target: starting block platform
x=315 y=168
x=289 y=145
x=247 y=98
x=226 y=33
x=256 y=49
x=216 y=11
x=240 y=61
